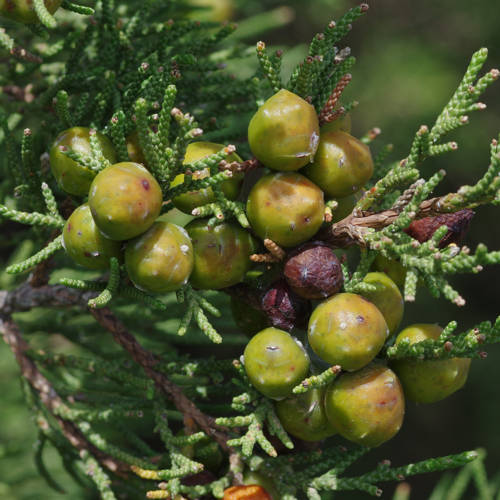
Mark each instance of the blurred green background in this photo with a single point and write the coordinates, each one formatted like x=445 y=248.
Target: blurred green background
x=411 y=56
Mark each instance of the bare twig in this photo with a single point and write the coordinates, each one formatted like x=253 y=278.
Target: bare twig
x=49 y=397
x=26 y=297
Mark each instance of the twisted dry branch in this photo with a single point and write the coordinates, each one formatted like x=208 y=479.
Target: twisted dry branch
x=26 y=297
x=49 y=397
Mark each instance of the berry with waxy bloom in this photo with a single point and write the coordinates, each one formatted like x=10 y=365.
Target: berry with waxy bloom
x=70 y=175
x=85 y=244
x=125 y=199
x=221 y=253
x=303 y=416
x=283 y=134
x=347 y=330
x=161 y=259
x=275 y=363
x=386 y=297
x=286 y=208
x=428 y=381
x=192 y=199
x=366 y=406
x=342 y=165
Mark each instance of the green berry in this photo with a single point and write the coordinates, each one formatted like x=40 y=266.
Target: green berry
x=342 y=165
x=346 y=205
x=283 y=134
x=85 y=244
x=134 y=149
x=286 y=208
x=216 y=11
x=125 y=200
x=23 y=11
x=275 y=363
x=347 y=330
x=192 y=199
x=387 y=298
x=303 y=416
x=249 y=320
x=70 y=175
x=161 y=259
x=393 y=268
x=260 y=479
x=428 y=381
x=366 y=406
x=221 y=254
x=342 y=123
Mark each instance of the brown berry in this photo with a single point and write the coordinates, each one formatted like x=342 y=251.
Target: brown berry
x=458 y=224
x=284 y=308
x=313 y=271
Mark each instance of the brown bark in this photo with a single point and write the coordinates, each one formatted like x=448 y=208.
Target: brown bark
x=49 y=397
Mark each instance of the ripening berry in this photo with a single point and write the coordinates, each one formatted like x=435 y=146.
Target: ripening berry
x=125 y=200
x=386 y=297
x=457 y=223
x=23 y=11
x=342 y=123
x=192 y=199
x=85 y=244
x=216 y=11
x=246 y=492
x=283 y=308
x=286 y=208
x=283 y=134
x=342 y=165
x=393 y=268
x=134 y=149
x=428 y=381
x=221 y=254
x=161 y=259
x=303 y=416
x=366 y=406
x=347 y=330
x=70 y=175
x=247 y=318
x=346 y=205
x=260 y=479
x=275 y=363
x=313 y=271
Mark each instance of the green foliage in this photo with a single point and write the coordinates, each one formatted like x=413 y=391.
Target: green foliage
x=134 y=68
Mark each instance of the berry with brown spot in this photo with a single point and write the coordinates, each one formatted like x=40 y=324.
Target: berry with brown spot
x=125 y=199
x=286 y=208
x=347 y=330
x=366 y=406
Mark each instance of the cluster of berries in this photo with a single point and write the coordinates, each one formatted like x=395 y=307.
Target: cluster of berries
x=347 y=331
x=122 y=219
x=23 y=11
